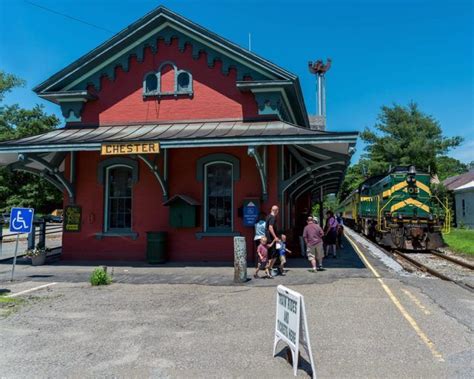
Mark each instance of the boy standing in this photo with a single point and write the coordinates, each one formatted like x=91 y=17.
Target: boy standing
x=282 y=250
x=263 y=263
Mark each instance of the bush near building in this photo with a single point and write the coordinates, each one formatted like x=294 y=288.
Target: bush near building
x=461 y=241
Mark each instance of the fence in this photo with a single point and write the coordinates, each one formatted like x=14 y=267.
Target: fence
x=41 y=229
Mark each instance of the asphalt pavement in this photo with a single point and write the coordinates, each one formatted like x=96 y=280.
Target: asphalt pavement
x=143 y=326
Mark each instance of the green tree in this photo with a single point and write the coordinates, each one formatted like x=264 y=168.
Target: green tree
x=18 y=188
x=447 y=167
x=405 y=136
x=355 y=175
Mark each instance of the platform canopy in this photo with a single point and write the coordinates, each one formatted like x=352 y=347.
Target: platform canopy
x=309 y=160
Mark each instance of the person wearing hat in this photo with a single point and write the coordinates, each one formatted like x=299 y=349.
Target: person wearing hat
x=313 y=236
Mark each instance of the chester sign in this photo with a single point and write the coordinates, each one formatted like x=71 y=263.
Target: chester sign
x=130 y=148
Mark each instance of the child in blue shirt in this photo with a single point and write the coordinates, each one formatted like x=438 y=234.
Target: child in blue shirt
x=282 y=250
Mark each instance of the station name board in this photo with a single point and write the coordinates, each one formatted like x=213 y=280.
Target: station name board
x=130 y=148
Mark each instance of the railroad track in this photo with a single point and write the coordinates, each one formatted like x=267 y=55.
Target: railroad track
x=454 y=271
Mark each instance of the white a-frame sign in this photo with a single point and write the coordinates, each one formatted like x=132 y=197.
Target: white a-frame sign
x=291 y=326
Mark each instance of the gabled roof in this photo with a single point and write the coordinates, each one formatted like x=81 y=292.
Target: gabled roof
x=165 y=24
x=454 y=182
x=160 y=16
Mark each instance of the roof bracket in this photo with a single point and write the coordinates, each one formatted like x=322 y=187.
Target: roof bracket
x=50 y=171
x=252 y=151
x=154 y=169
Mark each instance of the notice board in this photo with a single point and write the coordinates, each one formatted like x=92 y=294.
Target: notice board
x=72 y=218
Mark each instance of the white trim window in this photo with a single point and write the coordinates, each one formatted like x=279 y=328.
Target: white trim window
x=118 y=198
x=218 y=196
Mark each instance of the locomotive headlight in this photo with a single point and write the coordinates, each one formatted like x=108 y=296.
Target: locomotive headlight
x=411 y=179
x=400 y=216
x=430 y=217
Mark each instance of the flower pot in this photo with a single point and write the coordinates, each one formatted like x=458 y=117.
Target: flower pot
x=38 y=260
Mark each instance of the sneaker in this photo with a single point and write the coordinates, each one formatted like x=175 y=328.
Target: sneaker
x=282 y=274
x=256 y=276
x=321 y=268
x=269 y=277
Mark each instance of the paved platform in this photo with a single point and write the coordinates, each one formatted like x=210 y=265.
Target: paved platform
x=203 y=328
x=348 y=264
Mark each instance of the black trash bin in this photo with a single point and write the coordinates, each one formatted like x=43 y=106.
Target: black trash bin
x=156 y=247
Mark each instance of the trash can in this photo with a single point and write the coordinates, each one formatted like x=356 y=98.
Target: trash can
x=156 y=247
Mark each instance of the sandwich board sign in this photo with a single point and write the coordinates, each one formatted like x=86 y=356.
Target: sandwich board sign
x=291 y=325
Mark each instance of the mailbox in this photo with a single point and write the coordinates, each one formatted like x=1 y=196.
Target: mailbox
x=183 y=211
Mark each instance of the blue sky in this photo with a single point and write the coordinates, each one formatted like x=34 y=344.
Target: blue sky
x=382 y=51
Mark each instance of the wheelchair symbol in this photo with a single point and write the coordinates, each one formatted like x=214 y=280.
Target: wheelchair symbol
x=21 y=220
x=18 y=220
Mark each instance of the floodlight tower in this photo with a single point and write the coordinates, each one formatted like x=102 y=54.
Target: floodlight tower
x=319 y=69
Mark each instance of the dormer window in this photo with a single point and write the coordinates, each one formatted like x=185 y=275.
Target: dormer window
x=160 y=84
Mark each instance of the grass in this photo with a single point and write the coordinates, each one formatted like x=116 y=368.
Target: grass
x=8 y=305
x=461 y=241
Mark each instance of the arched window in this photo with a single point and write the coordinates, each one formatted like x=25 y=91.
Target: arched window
x=168 y=81
x=118 y=198
x=151 y=83
x=218 y=184
x=185 y=81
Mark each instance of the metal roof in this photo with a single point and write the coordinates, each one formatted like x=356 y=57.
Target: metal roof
x=178 y=134
x=454 y=182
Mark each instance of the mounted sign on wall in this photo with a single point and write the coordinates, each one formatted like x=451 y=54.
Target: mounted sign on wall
x=72 y=218
x=291 y=326
x=130 y=148
x=250 y=211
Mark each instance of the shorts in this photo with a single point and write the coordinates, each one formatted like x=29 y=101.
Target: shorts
x=315 y=252
x=263 y=265
x=272 y=253
x=282 y=259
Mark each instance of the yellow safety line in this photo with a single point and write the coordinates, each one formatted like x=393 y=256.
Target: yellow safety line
x=400 y=307
x=416 y=301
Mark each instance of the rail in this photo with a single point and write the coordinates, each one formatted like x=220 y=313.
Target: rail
x=434 y=272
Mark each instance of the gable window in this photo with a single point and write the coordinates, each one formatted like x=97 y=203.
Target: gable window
x=118 y=198
x=151 y=83
x=184 y=81
x=160 y=84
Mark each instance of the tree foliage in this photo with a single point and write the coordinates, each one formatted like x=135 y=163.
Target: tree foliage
x=403 y=136
x=447 y=167
x=18 y=188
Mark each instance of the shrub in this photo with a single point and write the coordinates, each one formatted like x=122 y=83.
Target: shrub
x=99 y=277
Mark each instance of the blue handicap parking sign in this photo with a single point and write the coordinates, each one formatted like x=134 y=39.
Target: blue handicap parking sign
x=21 y=220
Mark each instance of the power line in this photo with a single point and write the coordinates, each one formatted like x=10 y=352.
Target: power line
x=70 y=17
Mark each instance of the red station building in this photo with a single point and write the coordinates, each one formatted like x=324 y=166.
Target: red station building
x=170 y=127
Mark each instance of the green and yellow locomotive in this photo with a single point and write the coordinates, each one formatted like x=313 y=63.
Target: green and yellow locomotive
x=398 y=210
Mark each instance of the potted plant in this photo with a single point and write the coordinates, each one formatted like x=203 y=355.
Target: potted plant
x=37 y=255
